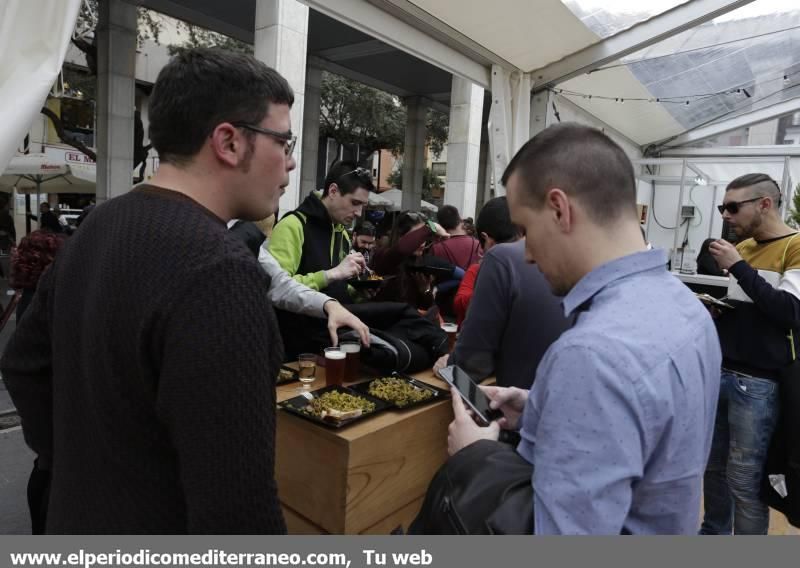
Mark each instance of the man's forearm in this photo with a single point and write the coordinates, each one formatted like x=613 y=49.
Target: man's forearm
x=288 y=294
x=778 y=305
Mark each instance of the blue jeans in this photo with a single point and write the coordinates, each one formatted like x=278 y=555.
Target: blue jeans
x=746 y=417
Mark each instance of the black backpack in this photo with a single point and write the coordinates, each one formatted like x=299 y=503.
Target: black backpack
x=401 y=339
x=486 y=488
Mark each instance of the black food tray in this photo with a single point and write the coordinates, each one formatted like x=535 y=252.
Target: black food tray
x=297 y=404
x=438 y=394
x=358 y=283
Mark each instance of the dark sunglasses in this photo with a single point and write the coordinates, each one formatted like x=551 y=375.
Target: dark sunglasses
x=732 y=207
x=288 y=139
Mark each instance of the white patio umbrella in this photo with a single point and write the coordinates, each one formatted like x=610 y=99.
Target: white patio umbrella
x=377 y=201
x=395 y=196
x=37 y=173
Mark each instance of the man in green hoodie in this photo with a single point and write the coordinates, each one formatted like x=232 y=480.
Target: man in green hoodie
x=311 y=243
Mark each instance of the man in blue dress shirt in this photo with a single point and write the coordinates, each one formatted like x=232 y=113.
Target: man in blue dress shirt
x=619 y=420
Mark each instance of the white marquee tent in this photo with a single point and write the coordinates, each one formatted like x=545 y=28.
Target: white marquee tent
x=661 y=77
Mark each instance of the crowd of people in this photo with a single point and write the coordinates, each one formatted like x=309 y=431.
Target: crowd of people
x=144 y=367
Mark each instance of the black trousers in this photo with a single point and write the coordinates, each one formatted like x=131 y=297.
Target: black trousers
x=38 y=496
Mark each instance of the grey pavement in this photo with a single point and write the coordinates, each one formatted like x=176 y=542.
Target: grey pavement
x=16 y=459
x=5 y=400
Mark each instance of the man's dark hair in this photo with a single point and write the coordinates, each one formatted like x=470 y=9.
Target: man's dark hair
x=762 y=184
x=584 y=163
x=204 y=87
x=495 y=220
x=365 y=229
x=348 y=177
x=448 y=217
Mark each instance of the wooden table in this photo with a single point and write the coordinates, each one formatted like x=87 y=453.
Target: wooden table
x=366 y=478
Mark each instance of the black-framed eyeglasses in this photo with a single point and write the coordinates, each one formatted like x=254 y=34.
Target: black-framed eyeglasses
x=289 y=140
x=732 y=207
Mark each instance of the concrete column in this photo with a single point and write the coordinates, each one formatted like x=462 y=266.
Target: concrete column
x=463 y=147
x=490 y=184
x=540 y=105
x=281 y=41
x=308 y=182
x=484 y=192
x=414 y=154
x=116 y=72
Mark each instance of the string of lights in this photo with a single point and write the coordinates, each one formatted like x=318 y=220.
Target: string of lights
x=733 y=111
x=678 y=99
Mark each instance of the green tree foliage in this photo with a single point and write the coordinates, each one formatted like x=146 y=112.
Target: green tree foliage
x=354 y=114
x=150 y=25
x=430 y=181
x=201 y=37
x=793 y=218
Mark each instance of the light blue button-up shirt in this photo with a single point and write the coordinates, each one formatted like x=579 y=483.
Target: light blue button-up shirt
x=619 y=421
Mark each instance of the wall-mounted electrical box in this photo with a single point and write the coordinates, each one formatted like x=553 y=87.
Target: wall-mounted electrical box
x=687 y=212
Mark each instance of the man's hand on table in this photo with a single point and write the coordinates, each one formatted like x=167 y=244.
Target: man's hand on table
x=339 y=316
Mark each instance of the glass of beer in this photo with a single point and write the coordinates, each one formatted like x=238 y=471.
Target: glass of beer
x=451 y=329
x=352 y=350
x=307 y=363
x=335 y=360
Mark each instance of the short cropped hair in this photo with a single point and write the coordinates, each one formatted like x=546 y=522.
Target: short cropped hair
x=495 y=220
x=762 y=184
x=365 y=229
x=348 y=177
x=448 y=217
x=204 y=87
x=584 y=163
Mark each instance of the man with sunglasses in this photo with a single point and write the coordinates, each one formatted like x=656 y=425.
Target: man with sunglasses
x=759 y=340
x=311 y=243
x=144 y=370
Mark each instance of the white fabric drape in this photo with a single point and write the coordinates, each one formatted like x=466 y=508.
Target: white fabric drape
x=509 y=119
x=34 y=37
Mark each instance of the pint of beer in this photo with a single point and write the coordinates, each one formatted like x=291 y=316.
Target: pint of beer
x=352 y=350
x=452 y=331
x=335 y=360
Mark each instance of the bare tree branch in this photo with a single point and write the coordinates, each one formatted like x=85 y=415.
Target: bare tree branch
x=66 y=138
x=89 y=49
